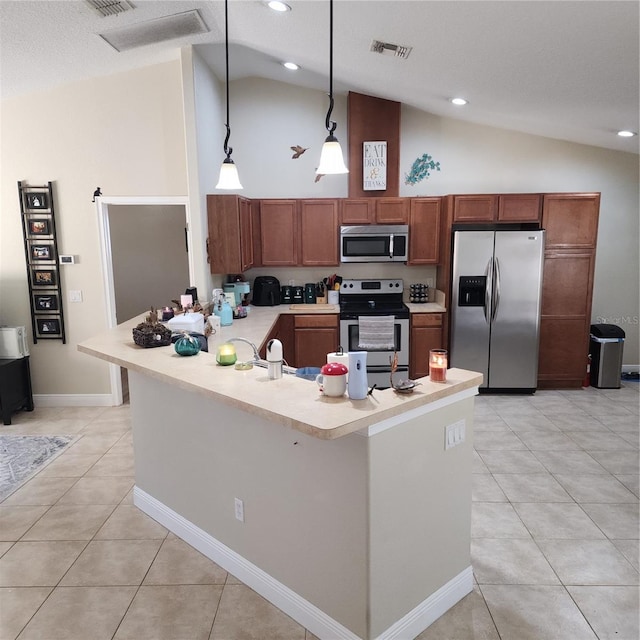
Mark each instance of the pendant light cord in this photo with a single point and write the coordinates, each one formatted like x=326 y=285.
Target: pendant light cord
x=330 y=124
x=228 y=150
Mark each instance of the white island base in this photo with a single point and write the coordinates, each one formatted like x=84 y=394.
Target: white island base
x=365 y=536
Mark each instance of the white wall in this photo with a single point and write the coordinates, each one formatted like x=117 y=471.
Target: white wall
x=124 y=133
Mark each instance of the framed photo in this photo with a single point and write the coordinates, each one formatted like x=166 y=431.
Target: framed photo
x=36 y=200
x=42 y=251
x=46 y=302
x=48 y=327
x=44 y=277
x=39 y=226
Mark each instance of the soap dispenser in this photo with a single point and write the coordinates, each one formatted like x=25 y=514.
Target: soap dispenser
x=274 y=358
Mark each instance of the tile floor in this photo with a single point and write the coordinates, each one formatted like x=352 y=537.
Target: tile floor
x=554 y=535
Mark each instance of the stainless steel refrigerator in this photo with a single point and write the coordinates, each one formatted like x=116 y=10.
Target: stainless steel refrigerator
x=496 y=291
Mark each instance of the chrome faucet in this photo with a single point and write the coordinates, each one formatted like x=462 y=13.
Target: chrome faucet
x=256 y=353
x=257 y=360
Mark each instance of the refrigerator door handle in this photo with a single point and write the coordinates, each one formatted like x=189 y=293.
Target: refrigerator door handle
x=496 y=290
x=488 y=272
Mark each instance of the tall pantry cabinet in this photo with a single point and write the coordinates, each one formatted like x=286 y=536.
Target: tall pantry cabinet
x=571 y=224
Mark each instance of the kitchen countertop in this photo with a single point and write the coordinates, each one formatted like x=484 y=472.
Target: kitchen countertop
x=290 y=401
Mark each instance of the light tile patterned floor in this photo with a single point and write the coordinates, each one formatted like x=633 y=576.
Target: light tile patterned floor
x=554 y=535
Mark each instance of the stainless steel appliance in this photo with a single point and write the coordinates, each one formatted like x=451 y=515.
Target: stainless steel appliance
x=496 y=291
x=375 y=298
x=374 y=243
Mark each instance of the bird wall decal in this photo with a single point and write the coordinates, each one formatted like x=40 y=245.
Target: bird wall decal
x=297 y=151
x=96 y=194
x=318 y=176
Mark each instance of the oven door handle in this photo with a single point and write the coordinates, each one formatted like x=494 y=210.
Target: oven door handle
x=391 y=246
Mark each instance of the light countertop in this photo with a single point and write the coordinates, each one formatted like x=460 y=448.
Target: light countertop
x=290 y=401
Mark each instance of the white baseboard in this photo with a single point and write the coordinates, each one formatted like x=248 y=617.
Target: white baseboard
x=301 y=610
x=631 y=368
x=73 y=400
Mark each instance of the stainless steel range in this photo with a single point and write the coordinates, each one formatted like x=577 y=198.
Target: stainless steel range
x=366 y=298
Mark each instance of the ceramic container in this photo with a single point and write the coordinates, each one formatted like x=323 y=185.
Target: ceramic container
x=333 y=379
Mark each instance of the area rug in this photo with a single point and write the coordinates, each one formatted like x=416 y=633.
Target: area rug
x=22 y=456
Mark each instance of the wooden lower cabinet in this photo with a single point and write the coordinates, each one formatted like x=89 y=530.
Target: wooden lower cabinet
x=426 y=334
x=314 y=337
x=565 y=319
x=564 y=346
x=282 y=330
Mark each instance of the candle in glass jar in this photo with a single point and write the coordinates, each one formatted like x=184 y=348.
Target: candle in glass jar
x=438 y=365
x=226 y=354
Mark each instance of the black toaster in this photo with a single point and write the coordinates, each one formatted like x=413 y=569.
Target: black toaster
x=266 y=291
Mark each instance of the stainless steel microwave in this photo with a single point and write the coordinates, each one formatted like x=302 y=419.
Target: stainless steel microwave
x=374 y=243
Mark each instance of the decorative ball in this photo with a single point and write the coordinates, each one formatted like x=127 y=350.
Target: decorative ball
x=187 y=345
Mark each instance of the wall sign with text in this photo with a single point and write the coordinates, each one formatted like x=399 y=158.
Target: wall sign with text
x=374 y=166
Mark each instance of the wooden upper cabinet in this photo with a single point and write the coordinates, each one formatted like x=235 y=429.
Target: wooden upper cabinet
x=319 y=232
x=571 y=220
x=475 y=208
x=519 y=207
x=392 y=210
x=279 y=233
x=230 y=237
x=374 y=211
x=357 y=211
x=246 y=234
x=424 y=231
x=567 y=283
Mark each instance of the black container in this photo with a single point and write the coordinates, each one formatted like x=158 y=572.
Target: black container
x=266 y=291
x=286 y=294
x=298 y=295
x=310 y=293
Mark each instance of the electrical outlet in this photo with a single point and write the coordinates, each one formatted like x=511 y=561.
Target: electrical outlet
x=430 y=282
x=75 y=296
x=454 y=434
x=239 y=507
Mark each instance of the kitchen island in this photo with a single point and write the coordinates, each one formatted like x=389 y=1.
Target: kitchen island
x=350 y=516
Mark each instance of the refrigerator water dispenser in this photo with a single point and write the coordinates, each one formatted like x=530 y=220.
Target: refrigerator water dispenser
x=471 y=291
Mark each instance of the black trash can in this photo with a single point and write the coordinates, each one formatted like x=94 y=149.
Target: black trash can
x=606 y=345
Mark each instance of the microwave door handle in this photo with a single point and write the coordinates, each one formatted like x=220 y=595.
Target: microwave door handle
x=391 y=246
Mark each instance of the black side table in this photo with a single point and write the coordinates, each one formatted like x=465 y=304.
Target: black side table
x=15 y=387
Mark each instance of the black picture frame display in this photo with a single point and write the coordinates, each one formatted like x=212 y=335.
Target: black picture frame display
x=48 y=327
x=37 y=227
x=41 y=254
x=42 y=251
x=43 y=277
x=36 y=200
x=46 y=302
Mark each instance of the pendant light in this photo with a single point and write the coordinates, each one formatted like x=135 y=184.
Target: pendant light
x=228 y=172
x=331 y=160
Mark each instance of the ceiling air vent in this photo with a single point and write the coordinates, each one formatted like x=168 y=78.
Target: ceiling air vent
x=171 y=27
x=388 y=49
x=108 y=8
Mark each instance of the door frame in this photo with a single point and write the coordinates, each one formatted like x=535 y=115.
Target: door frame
x=106 y=260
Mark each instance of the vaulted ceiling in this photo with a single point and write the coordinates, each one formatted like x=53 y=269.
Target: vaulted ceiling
x=566 y=69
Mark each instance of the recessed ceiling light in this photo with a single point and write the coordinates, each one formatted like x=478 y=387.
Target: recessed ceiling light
x=626 y=134
x=459 y=101
x=290 y=65
x=276 y=5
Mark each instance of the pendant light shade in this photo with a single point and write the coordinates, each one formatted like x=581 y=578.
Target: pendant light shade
x=331 y=160
x=229 y=178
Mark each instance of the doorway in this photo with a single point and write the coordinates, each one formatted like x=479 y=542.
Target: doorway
x=145 y=246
